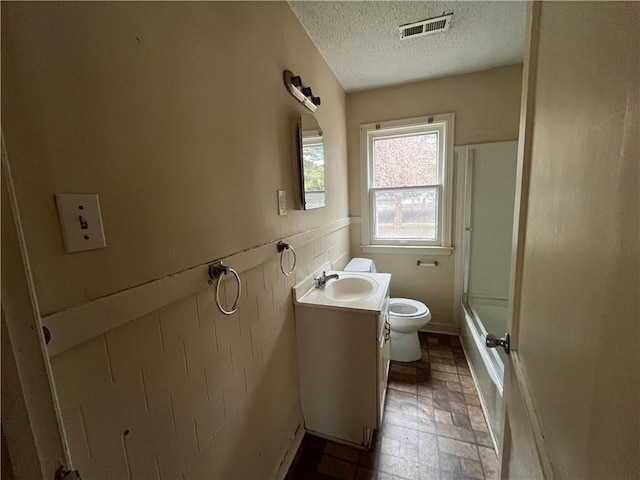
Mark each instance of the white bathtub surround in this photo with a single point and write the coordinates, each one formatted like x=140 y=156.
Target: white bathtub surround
x=487 y=370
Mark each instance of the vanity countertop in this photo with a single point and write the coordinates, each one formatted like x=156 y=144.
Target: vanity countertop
x=306 y=294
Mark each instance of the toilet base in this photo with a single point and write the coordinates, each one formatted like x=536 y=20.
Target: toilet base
x=405 y=347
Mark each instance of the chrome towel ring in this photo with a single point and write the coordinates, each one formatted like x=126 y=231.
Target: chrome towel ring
x=219 y=271
x=283 y=247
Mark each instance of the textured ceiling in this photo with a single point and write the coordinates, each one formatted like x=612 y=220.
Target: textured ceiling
x=360 y=41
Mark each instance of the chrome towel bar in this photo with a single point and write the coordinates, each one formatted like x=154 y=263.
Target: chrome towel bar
x=420 y=263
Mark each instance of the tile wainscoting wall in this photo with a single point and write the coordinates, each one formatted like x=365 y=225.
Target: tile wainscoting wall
x=187 y=392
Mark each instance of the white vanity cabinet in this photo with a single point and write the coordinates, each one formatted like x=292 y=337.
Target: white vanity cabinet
x=384 y=356
x=343 y=358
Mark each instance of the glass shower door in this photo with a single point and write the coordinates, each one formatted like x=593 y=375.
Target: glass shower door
x=488 y=220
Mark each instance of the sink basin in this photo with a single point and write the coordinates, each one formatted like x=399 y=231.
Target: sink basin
x=346 y=289
x=353 y=292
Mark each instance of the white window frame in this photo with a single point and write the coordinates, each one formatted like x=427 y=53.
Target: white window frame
x=444 y=125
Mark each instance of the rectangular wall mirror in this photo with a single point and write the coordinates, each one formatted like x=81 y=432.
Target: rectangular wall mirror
x=311 y=163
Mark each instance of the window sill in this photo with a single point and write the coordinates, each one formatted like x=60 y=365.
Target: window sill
x=408 y=250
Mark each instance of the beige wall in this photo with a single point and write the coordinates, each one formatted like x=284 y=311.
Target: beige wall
x=487 y=106
x=7 y=468
x=579 y=335
x=175 y=114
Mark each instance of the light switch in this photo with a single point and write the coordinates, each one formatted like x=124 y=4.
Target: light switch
x=81 y=222
x=282 y=202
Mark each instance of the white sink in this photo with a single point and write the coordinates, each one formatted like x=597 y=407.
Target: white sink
x=364 y=292
x=348 y=289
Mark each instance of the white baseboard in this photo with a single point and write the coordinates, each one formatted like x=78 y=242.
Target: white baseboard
x=287 y=461
x=442 y=329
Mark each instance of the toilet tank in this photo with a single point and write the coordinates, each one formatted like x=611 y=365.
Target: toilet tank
x=360 y=265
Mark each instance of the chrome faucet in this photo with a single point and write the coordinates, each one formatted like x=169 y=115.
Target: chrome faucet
x=322 y=280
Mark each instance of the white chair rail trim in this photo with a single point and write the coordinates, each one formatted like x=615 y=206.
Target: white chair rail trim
x=78 y=324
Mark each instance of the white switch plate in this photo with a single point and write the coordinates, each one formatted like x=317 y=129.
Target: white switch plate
x=282 y=202
x=81 y=222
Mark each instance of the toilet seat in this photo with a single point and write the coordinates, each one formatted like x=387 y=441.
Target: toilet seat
x=407 y=308
x=406 y=317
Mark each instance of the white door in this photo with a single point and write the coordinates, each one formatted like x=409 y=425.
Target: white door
x=31 y=424
x=573 y=378
x=523 y=453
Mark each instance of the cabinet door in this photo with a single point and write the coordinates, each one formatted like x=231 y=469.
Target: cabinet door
x=337 y=362
x=384 y=360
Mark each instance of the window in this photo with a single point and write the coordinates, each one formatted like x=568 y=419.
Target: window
x=313 y=168
x=406 y=191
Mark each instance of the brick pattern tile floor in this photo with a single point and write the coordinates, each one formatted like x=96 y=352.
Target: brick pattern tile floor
x=433 y=427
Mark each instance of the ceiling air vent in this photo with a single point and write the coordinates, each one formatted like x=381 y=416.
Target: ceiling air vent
x=426 y=27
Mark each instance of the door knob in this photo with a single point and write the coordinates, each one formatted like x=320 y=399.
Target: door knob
x=492 y=342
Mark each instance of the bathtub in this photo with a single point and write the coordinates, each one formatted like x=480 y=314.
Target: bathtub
x=486 y=365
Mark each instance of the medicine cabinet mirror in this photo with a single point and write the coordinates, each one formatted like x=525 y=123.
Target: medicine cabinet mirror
x=311 y=163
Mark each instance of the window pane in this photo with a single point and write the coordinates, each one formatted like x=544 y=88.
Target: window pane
x=313 y=163
x=406 y=214
x=405 y=161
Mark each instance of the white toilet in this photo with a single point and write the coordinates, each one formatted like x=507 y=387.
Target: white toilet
x=406 y=317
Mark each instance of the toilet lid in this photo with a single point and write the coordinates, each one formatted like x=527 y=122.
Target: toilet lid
x=359 y=265
x=406 y=307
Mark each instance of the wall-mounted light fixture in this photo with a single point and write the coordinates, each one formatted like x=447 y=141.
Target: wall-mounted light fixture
x=301 y=93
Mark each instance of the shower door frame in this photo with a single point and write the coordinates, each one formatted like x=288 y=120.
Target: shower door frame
x=493 y=362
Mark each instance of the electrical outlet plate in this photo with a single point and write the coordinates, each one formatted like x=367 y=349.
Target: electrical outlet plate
x=81 y=222
x=282 y=202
